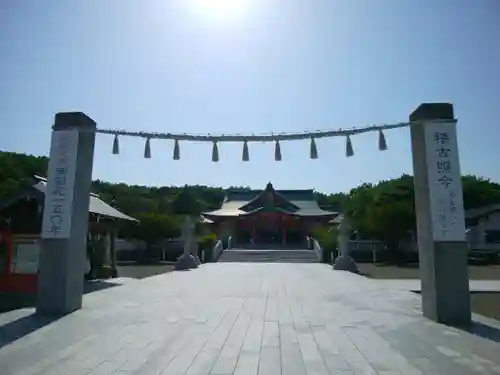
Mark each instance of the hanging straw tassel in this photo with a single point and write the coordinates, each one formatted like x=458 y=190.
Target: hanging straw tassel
x=116 y=146
x=382 y=143
x=314 y=149
x=177 y=152
x=246 y=155
x=147 y=149
x=277 y=151
x=215 y=153
x=348 y=147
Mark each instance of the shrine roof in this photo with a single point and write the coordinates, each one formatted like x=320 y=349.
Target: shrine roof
x=478 y=212
x=304 y=202
x=337 y=219
x=37 y=190
x=231 y=208
x=311 y=208
x=291 y=195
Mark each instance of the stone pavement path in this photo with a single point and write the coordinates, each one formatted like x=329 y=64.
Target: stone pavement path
x=246 y=319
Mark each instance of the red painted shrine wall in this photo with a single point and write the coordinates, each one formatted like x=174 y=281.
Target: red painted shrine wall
x=12 y=278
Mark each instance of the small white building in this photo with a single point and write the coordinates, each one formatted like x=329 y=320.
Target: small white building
x=483 y=227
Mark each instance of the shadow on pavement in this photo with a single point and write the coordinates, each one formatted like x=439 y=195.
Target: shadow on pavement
x=483 y=330
x=13 y=301
x=25 y=325
x=96 y=285
x=21 y=327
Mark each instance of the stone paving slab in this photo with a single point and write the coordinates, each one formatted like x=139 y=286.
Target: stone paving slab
x=414 y=285
x=247 y=319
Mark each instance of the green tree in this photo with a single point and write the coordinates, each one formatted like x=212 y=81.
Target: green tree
x=479 y=192
x=152 y=227
x=328 y=240
x=334 y=202
x=385 y=212
x=356 y=207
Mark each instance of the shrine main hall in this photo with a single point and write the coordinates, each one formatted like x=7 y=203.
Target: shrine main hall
x=267 y=216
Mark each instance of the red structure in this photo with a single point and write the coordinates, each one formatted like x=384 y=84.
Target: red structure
x=15 y=276
x=267 y=216
x=20 y=227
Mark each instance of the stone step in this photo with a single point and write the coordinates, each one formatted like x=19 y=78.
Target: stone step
x=269 y=256
x=297 y=246
x=270 y=252
x=258 y=260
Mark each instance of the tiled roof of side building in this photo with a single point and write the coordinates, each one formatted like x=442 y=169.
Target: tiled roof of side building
x=39 y=186
x=482 y=211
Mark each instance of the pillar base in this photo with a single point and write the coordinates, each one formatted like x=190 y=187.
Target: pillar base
x=60 y=279
x=185 y=262
x=345 y=263
x=445 y=283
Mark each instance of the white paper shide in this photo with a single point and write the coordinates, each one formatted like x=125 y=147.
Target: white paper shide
x=445 y=186
x=57 y=211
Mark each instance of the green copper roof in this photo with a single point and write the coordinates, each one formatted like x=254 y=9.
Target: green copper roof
x=300 y=203
x=291 y=195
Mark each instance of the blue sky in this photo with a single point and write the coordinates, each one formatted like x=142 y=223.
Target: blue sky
x=278 y=65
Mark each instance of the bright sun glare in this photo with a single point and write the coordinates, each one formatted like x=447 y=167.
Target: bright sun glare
x=220 y=10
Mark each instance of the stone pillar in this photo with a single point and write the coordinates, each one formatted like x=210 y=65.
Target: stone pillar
x=227 y=230
x=283 y=231
x=439 y=207
x=113 y=252
x=66 y=214
x=195 y=250
x=186 y=261
x=106 y=241
x=344 y=262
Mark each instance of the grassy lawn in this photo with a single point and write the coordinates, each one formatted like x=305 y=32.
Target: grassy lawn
x=487 y=304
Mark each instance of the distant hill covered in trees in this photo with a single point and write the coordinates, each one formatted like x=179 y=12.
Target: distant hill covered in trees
x=384 y=210
x=16 y=169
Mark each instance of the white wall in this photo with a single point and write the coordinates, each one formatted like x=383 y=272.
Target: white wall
x=476 y=236
x=123 y=245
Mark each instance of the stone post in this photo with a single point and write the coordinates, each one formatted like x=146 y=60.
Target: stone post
x=439 y=208
x=113 y=252
x=195 y=250
x=186 y=261
x=66 y=214
x=344 y=262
